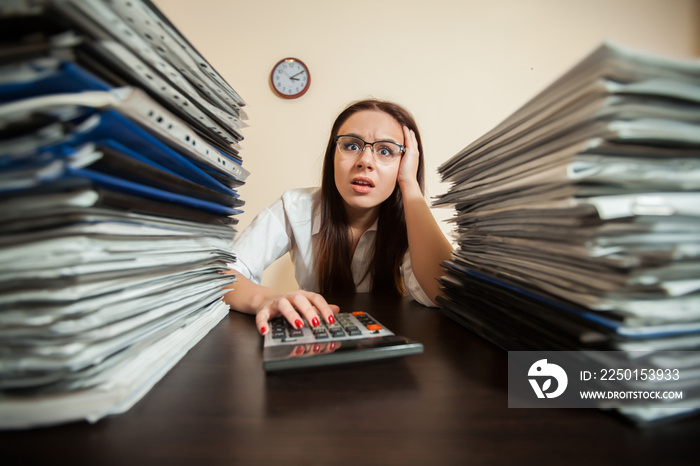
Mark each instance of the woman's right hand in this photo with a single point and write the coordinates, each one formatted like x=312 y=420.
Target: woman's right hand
x=266 y=303
x=295 y=306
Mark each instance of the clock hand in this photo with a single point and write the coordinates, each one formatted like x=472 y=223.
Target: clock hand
x=295 y=76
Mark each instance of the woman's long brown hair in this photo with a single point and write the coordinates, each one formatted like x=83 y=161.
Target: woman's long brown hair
x=333 y=258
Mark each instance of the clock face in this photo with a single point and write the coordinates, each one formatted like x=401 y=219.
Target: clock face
x=290 y=78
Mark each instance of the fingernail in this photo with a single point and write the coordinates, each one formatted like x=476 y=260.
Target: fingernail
x=263 y=331
x=298 y=323
x=331 y=319
x=315 y=322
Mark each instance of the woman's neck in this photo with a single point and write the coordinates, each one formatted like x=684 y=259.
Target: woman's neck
x=359 y=221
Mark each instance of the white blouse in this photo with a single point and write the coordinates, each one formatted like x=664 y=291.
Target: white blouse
x=289 y=225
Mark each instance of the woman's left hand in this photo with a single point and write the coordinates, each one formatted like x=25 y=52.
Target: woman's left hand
x=409 y=162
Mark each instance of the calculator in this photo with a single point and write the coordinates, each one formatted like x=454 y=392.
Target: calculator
x=354 y=337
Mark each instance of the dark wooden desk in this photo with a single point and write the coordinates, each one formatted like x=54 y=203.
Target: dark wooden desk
x=446 y=406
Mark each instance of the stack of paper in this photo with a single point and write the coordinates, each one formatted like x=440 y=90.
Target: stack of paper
x=119 y=163
x=578 y=217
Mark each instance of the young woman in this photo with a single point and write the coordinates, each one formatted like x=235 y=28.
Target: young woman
x=367 y=229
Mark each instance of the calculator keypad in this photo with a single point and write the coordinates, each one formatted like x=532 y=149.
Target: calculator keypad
x=347 y=326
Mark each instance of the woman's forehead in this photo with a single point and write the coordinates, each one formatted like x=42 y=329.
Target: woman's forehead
x=372 y=123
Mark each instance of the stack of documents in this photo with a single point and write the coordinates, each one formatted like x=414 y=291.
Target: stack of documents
x=119 y=163
x=578 y=217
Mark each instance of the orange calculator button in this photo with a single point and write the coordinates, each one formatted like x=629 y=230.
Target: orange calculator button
x=359 y=313
x=374 y=327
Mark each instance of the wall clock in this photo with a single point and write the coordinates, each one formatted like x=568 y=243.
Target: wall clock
x=290 y=78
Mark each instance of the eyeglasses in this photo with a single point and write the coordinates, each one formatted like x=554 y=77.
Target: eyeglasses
x=385 y=151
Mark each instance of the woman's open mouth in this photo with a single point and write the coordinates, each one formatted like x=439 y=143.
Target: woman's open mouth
x=362 y=185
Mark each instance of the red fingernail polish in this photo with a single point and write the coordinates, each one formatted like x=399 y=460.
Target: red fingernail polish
x=315 y=322
x=331 y=319
x=298 y=323
x=263 y=330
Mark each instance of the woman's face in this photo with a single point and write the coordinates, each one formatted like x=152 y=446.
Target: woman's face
x=362 y=182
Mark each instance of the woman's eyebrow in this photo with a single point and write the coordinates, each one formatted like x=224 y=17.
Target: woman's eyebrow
x=378 y=140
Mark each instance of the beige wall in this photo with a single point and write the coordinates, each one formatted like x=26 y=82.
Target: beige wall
x=459 y=66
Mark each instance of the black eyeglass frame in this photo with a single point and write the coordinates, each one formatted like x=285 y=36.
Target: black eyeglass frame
x=402 y=148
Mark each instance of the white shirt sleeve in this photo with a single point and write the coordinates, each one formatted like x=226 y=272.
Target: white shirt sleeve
x=264 y=241
x=411 y=283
